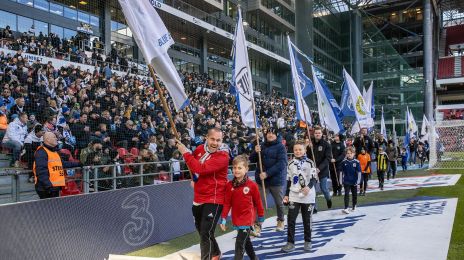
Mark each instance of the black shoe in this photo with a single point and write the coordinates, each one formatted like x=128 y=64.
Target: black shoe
x=314 y=211
x=329 y=204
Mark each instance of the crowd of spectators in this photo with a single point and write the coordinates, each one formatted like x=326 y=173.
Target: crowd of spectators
x=102 y=118
x=78 y=48
x=93 y=113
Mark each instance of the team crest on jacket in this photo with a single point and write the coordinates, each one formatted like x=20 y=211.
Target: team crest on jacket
x=319 y=148
x=354 y=164
x=246 y=190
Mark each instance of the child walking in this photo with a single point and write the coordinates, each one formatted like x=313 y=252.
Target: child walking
x=242 y=197
x=404 y=160
x=351 y=176
x=382 y=166
x=365 y=162
x=300 y=194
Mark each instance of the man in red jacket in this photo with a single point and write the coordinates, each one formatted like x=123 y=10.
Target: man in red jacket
x=209 y=164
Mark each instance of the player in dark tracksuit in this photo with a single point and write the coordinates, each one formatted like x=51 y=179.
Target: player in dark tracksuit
x=338 y=155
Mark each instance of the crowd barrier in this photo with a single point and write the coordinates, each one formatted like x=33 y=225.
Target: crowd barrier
x=94 y=225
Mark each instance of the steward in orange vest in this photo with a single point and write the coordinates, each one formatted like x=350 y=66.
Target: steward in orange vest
x=48 y=169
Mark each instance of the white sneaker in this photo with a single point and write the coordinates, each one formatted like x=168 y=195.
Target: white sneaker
x=280 y=226
x=346 y=211
x=353 y=209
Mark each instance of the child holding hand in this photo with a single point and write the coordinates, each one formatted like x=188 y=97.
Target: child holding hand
x=242 y=197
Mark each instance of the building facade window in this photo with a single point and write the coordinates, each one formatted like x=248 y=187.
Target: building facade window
x=57 y=30
x=7 y=19
x=56 y=9
x=83 y=17
x=95 y=20
x=26 y=2
x=69 y=33
x=24 y=24
x=40 y=27
x=70 y=13
x=41 y=5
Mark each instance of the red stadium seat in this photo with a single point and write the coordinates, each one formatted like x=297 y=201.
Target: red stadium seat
x=134 y=151
x=122 y=152
x=69 y=154
x=70 y=189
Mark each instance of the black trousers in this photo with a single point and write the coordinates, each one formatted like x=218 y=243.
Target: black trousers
x=206 y=217
x=336 y=187
x=243 y=244
x=381 y=177
x=354 y=193
x=391 y=169
x=306 y=213
x=364 y=180
x=48 y=194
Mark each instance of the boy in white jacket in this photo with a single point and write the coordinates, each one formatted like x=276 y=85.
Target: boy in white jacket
x=300 y=193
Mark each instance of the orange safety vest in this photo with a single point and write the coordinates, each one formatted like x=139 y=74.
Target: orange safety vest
x=363 y=160
x=55 y=168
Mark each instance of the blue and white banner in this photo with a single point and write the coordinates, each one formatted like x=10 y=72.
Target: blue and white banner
x=383 y=129
x=241 y=76
x=346 y=106
x=154 y=40
x=410 y=183
x=300 y=83
x=361 y=112
x=328 y=108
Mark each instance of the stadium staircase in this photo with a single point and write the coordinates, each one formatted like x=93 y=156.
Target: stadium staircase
x=457 y=66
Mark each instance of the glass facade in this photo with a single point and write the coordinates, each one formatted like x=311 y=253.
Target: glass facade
x=280 y=10
x=76 y=10
x=393 y=60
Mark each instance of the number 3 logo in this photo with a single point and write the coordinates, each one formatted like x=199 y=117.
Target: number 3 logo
x=140 y=228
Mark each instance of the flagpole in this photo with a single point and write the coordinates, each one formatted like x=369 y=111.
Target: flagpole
x=260 y=161
x=331 y=153
x=165 y=106
x=308 y=132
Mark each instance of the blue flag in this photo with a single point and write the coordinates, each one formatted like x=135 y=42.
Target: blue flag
x=306 y=84
x=328 y=108
x=300 y=81
x=346 y=105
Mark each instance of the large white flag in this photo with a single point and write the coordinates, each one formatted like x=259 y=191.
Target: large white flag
x=412 y=126
x=302 y=110
x=383 y=129
x=425 y=125
x=363 y=115
x=327 y=106
x=154 y=40
x=369 y=99
x=241 y=75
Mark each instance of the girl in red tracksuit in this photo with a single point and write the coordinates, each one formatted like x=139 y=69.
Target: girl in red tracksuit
x=242 y=196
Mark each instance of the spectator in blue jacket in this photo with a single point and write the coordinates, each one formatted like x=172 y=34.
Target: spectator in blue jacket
x=351 y=176
x=274 y=158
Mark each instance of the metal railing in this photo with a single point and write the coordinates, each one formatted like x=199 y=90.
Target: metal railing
x=98 y=178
